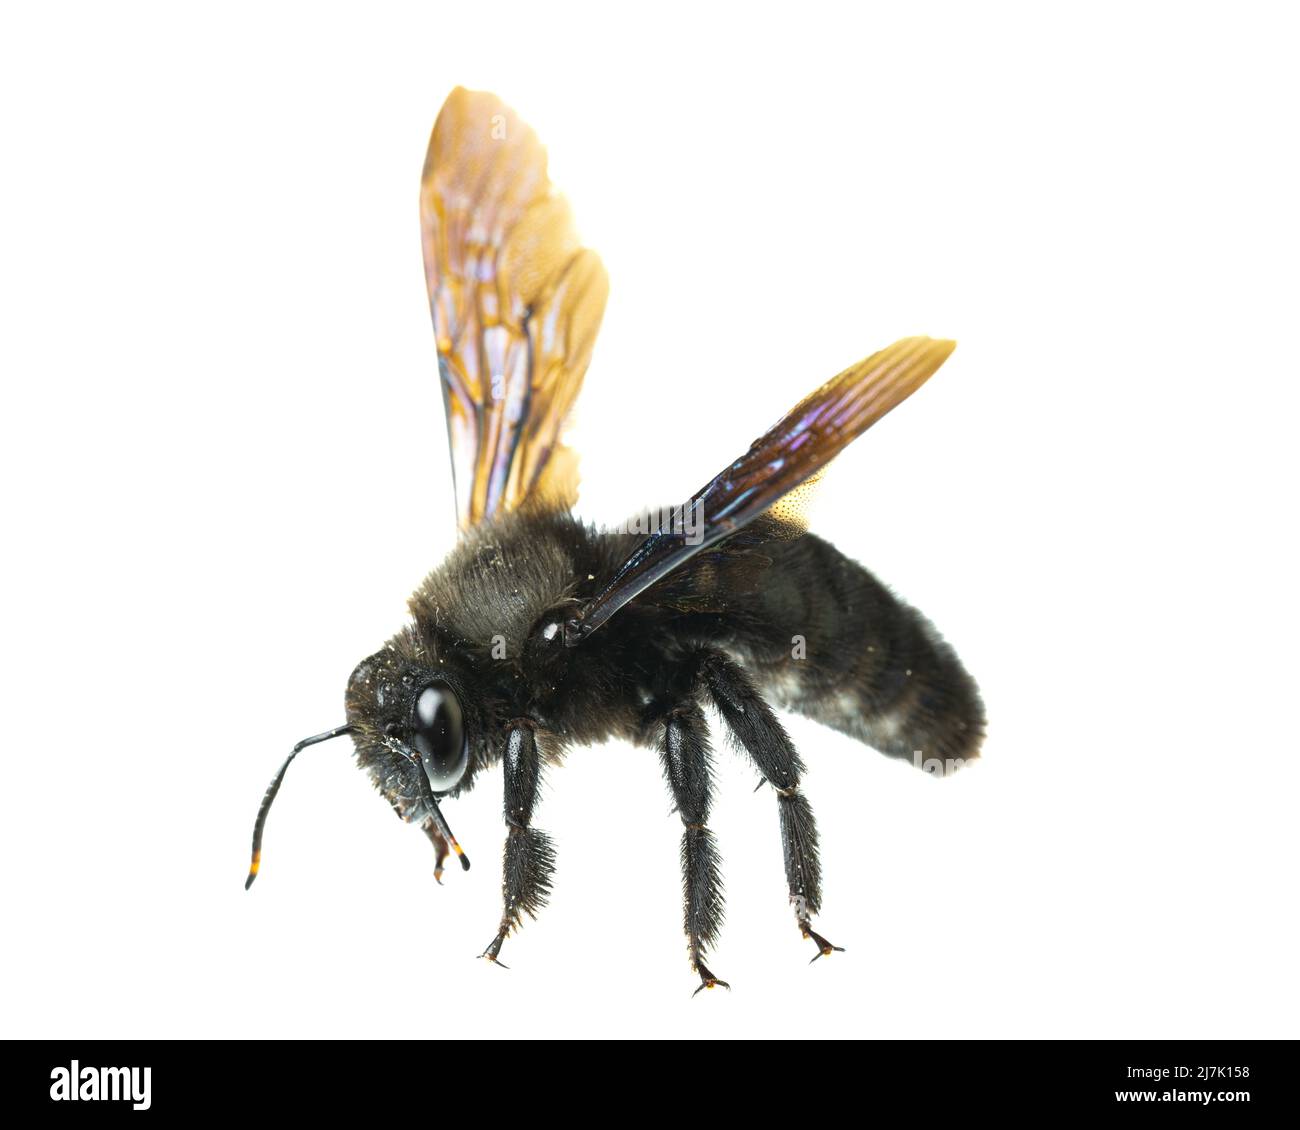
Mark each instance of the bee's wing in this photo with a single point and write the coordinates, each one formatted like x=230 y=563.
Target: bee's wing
x=516 y=306
x=770 y=475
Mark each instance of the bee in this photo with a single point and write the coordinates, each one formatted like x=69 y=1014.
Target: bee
x=540 y=632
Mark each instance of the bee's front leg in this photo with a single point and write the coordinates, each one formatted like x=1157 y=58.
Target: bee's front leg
x=529 y=855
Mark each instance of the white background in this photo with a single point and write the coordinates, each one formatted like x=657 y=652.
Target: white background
x=225 y=469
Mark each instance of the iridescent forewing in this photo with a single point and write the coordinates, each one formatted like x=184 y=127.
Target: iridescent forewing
x=516 y=305
x=770 y=475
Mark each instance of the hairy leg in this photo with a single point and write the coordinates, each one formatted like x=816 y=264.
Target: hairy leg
x=763 y=738
x=687 y=764
x=529 y=858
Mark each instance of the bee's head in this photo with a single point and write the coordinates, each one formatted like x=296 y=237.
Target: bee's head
x=413 y=732
x=406 y=713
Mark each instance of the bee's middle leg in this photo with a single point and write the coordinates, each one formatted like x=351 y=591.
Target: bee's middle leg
x=688 y=766
x=529 y=858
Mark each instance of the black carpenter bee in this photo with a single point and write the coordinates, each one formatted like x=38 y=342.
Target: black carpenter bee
x=540 y=632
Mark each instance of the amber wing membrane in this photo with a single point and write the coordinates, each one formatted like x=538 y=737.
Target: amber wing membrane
x=771 y=473
x=516 y=304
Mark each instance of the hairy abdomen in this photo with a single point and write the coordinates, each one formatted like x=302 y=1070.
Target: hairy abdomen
x=842 y=649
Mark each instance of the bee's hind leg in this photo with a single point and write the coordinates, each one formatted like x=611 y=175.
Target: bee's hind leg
x=763 y=737
x=683 y=743
x=529 y=858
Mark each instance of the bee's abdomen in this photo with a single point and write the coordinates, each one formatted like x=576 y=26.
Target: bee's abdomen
x=865 y=663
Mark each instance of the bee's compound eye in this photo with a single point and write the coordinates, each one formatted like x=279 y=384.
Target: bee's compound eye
x=439 y=737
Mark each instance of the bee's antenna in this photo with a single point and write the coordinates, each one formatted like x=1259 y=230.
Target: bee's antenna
x=274 y=788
